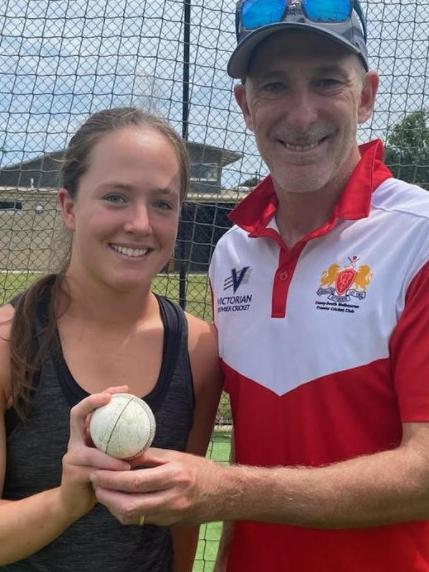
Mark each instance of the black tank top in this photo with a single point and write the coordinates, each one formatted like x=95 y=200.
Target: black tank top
x=34 y=451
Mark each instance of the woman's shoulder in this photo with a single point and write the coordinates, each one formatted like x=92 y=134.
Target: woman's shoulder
x=201 y=331
x=206 y=370
x=6 y=316
x=7 y=313
x=202 y=345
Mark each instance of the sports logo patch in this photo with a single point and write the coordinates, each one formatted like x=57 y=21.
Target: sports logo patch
x=236 y=278
x=235 y=302
x=344 y=287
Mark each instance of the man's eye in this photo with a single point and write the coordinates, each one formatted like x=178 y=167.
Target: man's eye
x=273 y=86
x=327 y=82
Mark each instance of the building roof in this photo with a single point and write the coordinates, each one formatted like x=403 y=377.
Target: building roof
x=232 y=195
x=226 y=157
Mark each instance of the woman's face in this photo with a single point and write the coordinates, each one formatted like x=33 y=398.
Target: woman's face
x=125 y=216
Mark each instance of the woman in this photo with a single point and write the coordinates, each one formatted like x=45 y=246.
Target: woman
x=97 y=324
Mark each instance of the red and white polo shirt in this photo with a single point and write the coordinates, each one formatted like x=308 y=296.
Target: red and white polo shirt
x=325 y=349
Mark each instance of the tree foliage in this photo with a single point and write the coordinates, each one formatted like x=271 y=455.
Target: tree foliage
x=252 y=182
x=407 y=149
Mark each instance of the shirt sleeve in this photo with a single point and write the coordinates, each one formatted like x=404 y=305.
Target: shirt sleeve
x=409 y=350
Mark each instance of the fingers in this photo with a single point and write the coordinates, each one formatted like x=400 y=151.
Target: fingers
x=138 y=481
x=153 y=457
x=125 y=508
x=117 y=389
x=155 y=470
x=174 y=491
x=91 y=458
x=158 y=507
x=77 y=494
x=80 y=412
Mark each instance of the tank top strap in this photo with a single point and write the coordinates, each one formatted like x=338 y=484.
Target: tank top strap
x=175 y=356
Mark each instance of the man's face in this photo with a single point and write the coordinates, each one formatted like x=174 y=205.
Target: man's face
x=304 y=98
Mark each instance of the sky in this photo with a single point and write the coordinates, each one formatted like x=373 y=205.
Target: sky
x=63 y=59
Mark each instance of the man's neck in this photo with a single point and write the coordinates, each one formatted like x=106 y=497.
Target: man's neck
x=300 y=213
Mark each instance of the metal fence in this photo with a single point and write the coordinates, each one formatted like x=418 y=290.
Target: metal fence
x=61 y=60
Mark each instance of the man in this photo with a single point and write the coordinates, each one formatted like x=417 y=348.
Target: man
x=321 y=295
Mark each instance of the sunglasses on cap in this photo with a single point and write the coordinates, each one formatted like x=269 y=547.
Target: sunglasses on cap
x=253 y=14
x=342 y=21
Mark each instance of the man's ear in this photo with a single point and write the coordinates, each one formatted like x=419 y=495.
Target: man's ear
x=241 y=99
x=367 y=99
x=67 y=208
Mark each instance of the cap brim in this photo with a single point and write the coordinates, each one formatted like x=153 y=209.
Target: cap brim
x=239 y=61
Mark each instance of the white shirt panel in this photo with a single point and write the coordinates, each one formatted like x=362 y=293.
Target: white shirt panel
x=320 y=336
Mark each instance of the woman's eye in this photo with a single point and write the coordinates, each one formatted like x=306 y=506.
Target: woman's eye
x=163 y=205
x=115 y=199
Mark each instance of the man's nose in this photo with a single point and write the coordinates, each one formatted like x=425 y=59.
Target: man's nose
x=301 y=109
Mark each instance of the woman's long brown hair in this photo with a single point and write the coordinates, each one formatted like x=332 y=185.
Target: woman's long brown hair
x=27 y=352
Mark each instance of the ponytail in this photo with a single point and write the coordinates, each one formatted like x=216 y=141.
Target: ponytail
x=29 y=347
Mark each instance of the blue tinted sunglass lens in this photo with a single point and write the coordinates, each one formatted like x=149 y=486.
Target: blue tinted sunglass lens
x=257 y=13
x=328 y=10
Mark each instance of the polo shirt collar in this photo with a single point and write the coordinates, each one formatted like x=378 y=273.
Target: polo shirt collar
x=255 y=211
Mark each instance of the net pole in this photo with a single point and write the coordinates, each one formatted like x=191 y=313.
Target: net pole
x=185 y=130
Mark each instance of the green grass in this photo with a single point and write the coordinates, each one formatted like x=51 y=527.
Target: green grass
x=219 y=450
x=207 y=547
x=197 y=291
x=13 y=283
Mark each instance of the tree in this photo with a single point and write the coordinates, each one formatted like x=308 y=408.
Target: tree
x=252 y=182
x=407 y=149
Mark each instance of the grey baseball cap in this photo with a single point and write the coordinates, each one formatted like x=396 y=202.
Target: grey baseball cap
x=350 y=33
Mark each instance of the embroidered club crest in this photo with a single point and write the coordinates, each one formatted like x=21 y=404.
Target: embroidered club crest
x=341 y=284
x=344 y=280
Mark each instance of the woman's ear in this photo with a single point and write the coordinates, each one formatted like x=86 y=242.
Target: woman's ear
x=67 y=208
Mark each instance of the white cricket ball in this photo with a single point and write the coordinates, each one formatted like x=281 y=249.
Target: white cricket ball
x=123 y=428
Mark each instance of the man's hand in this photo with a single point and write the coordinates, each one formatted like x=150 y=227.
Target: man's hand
x=168 y=487
x=371 y=490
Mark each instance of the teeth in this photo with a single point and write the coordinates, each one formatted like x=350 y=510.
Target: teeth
x=126 y=251
x=301 y=147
